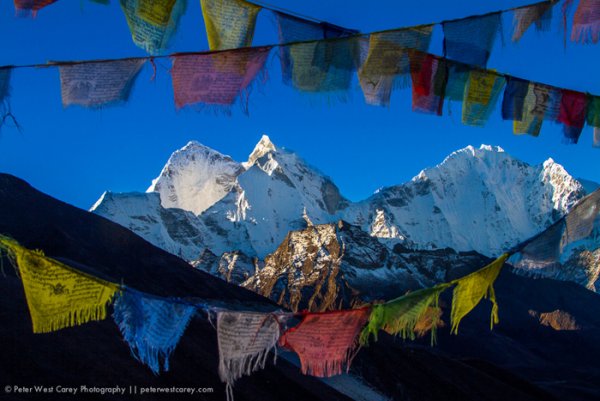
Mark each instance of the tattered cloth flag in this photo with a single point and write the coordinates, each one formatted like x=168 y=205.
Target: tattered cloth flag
x=531 y=121
x=151 y=327
x=473 y=288
x=401 y=315
x=586 y=22
x=58 y=296
x=323 y=66
x=245 y=339
x=152 y=22
x=572 y=114
x=481 y=94
x=217 y=80
x=25 y=8
x=98 y=84
x=458 y=75
x=326 y=341
x=229 y=23
x=538 y=14
x=543 y=254
x=514 y=99
x=593 y=117
x=470 y=40
x=428 y=81
x=387 y=62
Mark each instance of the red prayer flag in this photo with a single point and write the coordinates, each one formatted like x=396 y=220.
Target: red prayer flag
x=572 y=113
x=326 y=341
x=424 y=72
x=24 y=7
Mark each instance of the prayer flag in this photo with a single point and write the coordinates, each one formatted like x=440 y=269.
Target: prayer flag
x=472 y=288
x=229 y=23
x=586 y=22
x=151 y=327
x=572 y=114
x=481 y=94
x=514 y=99
x=30 y=7
x=326 y=341
x=538 y=14
x=57 y=296
x=425 y=72
x=470 y=40
x=98 y=84
x=216 y=79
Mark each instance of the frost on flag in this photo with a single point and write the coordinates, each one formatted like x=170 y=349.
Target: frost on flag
x=152 y=22
x=229 y=23
x=245 y=340
x=326 y=342
x=151 y=327
x=470 y=40
x=481 y=94
x=547 y=254
x=387 y=64
x=26 y=8
x=586 y=22
x=324 y=66
x=98 y=84
x=58 y=296
x=538 y=14
x=218 y=79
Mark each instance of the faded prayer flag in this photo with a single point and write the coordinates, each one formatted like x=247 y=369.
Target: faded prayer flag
x=458 y=75
x=572 y=114
x=229 y=23
x=531 y=119
x=152 y=22
x=98 y=84
x=470 y=40
x=326 y=341
x=593 y=118
x=25 y=8
x=481 y=94
x=401 y=315
x=245 y=340
x=514 y=99
x=324 y=66
x=471 y=289
x=387 y=61
x=524 y=17
x=216 y=79
x=586 y=22
x=427 y=76
x=152 y=327
x=545 y=254
x=57 y=296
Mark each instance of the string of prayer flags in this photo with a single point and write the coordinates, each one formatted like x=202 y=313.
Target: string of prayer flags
x=98 y=84
x=401 y=315
x=387 y=61
x=326 y=342
x=25 y=8
x=216 y=80
x=57 y=296
x=470 y=40
x=473 y=288
x=323 y=66
x=572 y=114
x=514 y=99
x=481 y=94
x=245 y=340
x=229 y=23
x=152 y=22
x=544 y=253
x=428 y=82
x=538 y=14
x=586 y=22
x=151 y=327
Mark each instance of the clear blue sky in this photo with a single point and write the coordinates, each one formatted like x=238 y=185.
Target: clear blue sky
x=75 y=154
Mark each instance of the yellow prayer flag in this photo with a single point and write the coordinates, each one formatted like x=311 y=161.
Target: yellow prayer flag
x=229 y=23
x=155 y=12
x=57 y=296
x=472 y=288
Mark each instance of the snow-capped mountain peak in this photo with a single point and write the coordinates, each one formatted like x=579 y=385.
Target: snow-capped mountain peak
x=195 y=177
x=263 y=147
